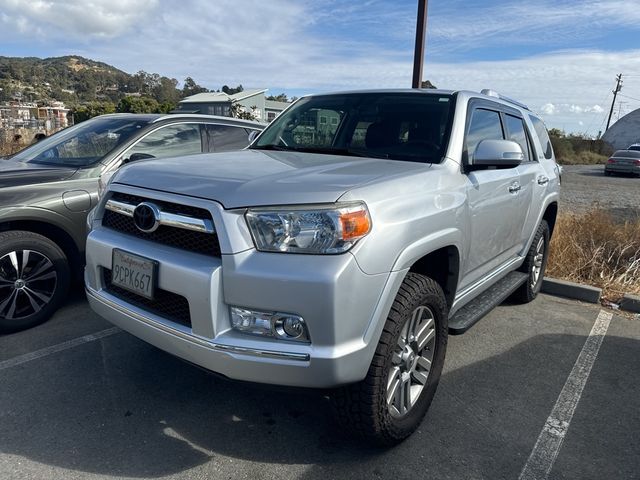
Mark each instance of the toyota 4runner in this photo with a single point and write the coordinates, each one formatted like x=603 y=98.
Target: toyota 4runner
x=337 y=251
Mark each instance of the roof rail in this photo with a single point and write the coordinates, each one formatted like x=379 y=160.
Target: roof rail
x=493 y=93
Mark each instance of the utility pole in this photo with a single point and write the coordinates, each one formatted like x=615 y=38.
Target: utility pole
x=615 y=93
x=418 y=54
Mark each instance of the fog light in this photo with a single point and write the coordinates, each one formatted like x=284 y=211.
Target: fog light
x=290 y=327
x=284 y=326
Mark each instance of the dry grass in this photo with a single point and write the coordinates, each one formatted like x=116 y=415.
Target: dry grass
x=5 y=149
x=592 y=248
x=583 y=158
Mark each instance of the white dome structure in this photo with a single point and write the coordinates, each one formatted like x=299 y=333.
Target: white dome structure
x=624 y=132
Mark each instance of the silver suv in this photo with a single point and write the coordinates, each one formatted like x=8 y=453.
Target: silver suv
x=337 y=251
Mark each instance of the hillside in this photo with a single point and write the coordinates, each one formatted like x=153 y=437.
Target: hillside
x=76 y=80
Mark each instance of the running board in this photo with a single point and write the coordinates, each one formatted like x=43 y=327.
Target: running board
x=473 y=311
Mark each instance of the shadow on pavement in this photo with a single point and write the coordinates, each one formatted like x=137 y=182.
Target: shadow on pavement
x=119 y=407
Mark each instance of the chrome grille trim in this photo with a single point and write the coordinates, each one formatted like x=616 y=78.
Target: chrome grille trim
x=164 y=218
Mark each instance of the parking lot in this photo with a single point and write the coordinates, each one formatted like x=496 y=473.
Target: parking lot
x=81 y=399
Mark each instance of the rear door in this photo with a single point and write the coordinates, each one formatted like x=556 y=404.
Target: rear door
x=531 y=192
x=225 y=138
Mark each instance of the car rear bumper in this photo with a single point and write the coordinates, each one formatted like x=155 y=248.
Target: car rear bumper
x=629 y=169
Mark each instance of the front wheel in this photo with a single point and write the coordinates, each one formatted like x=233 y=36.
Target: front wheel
x=390 y=403
x=534 y=265
x=34 y=279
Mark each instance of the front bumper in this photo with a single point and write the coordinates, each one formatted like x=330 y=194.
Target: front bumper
x=341 y=305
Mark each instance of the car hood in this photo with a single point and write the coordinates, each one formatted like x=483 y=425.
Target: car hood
x=14 y=173
x=259 y=178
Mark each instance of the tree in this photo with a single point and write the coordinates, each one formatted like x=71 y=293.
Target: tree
x=138 y=105
x=92 y=109
x=232 y=91
x=190 y=87
x=166 y=92
x=427 y=84
x=240 y=111
x=278 y=98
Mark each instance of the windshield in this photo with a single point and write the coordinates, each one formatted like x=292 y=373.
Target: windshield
x=83 y=144
x=400 y=126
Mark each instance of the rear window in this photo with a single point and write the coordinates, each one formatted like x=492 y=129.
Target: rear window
x=627 y=154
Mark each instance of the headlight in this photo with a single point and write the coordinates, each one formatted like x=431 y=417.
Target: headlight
x=318 y=229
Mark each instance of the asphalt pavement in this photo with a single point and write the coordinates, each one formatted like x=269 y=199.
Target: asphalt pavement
x=79 y=399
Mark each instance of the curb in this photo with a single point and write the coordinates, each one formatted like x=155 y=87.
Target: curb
x=630 y=303
x=576 y=291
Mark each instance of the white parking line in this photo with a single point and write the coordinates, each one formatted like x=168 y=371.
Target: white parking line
x=555 y=428
x=28 y=357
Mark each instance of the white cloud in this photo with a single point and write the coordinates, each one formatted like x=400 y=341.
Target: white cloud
x=76 y=18
x=579 y=79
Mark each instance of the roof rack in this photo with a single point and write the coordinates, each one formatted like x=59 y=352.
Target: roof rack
x=493 y=93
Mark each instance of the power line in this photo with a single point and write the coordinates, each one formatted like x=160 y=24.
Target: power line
x=593 y=118
x=630 y=98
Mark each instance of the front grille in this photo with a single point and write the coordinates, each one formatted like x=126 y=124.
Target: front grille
x=168 y=207
x=198 y=242
x=165 y=304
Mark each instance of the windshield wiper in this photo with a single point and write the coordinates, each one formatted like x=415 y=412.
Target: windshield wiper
x=352 y=152
x=271 y=146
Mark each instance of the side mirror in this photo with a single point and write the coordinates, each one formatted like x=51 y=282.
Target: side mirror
x=137 y=156
x=498 y=153
x=252 y=135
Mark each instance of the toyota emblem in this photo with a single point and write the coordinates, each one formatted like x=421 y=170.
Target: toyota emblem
x=145 y=217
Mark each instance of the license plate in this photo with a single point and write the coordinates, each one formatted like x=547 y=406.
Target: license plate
x=134 y=273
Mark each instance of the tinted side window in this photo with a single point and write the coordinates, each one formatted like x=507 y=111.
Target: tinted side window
x=485 y=124
x=542 y=134
x=170 y=141
x=223 y=138
x=515 y=127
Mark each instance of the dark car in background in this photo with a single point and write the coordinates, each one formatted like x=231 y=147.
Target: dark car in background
x=48 y=189
x=624 y=162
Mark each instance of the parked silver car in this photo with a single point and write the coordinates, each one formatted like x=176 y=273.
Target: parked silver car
x=624 y=161
x=339 y=250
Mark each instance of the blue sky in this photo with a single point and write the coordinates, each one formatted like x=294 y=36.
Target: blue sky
x=560 y=57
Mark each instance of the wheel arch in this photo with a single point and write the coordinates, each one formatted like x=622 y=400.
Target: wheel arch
x=550 y=214
x=443 y=266
x=53 y=232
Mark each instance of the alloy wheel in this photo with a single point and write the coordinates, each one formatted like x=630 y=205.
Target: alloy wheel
x=411 y=362
x=28 y=281
x=538 y=260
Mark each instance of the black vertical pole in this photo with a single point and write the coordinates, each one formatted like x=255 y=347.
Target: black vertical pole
x=418 y=56
x=615 y=93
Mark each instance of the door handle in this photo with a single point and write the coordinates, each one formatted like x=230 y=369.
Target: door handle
x=515 y=188
x=542 y=180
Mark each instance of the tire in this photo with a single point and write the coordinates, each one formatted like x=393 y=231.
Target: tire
x=363 y=407
x=534 y=265
x=34 y=279
x=608 y=174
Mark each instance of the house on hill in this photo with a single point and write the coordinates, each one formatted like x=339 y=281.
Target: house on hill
x=219 y=103
x=624 y=132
